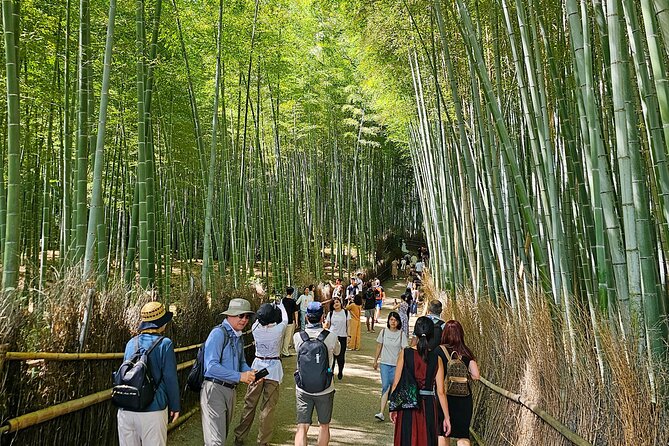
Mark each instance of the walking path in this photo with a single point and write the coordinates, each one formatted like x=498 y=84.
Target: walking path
x=357 y=399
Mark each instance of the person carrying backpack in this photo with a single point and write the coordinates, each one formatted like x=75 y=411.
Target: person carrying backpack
x=460 y=367
x=434 y=310
x=224 y=368
x=369 y=306
x=147 y=425
x=314 y=387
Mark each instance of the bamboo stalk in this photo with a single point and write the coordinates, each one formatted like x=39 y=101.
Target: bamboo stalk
x=545 y=416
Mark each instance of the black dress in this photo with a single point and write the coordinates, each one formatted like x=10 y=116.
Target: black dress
x=460 y=408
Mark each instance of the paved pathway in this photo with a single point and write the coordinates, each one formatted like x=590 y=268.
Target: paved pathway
x=357 y=399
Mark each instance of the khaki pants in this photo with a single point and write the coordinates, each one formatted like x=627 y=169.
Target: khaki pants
x=217 y=404
x=269 y=391
x=287 y=339
x=142 y=428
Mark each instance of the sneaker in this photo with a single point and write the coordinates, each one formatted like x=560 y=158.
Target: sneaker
x=379 y=416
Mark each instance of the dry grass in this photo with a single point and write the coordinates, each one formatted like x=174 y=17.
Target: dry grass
x=54 y=326
x=528 y=355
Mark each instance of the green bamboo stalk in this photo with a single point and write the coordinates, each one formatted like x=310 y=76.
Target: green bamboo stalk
x=208 y=220
x=80 y=214
x=10 y=273
x=96 y=225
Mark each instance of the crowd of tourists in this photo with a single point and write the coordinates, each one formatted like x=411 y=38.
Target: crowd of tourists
x=433 y=359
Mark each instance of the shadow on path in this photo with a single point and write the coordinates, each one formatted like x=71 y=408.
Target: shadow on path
x=357 y=399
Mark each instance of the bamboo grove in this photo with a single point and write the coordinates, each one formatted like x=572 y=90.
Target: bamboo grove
x=217 y=142
x=540 y=136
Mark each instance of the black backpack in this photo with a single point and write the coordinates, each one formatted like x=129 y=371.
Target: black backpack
x=436 y=338
x=196 y=374
x=134 y=388
x=314 y=373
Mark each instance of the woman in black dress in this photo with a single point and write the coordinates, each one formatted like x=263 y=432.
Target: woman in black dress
x=460 y=408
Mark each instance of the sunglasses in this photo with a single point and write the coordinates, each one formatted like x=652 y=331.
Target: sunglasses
x=244 y=316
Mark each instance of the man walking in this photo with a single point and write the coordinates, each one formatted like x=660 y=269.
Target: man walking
x=148 y=426
x=369 y=305
x=434 y=312
x=224 y=368
x=314 y=389
x=290 y=307
x=268 y=335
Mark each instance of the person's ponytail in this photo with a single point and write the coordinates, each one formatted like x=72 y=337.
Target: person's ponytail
x=424 y=330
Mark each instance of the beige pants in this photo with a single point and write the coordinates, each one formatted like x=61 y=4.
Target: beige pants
x=269 y=391
x=287 y=339
x=217 y=404
x=142 y=428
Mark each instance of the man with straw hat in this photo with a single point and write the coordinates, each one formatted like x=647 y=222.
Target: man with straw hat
x=224 y=367
x=149 y=426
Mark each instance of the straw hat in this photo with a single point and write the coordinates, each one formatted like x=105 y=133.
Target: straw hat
x=154 y=316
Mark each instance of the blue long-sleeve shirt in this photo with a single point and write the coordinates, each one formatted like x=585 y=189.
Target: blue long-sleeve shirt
x=163 y=367
x=229 y=366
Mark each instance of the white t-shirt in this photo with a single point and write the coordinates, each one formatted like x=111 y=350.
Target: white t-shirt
x=393 y=342
x=338 y=322
x=419 y=267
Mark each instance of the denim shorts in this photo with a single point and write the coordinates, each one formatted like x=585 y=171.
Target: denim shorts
x=387 y=377
x=379 y=304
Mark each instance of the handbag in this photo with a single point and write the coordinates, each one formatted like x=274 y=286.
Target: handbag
x=405 y=395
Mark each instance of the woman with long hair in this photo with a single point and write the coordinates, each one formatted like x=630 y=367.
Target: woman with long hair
x=419 y=427
x=390 y=343
x=403 y=309
x=461 y=407
x=337 y=323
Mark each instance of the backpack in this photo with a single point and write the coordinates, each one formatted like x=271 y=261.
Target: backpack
x=314 y=373
x=134 y=388
x=436 y=338
x=457 y=375
x=196 y=374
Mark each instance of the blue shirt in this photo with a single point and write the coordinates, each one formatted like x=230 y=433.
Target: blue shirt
x=163 y=367
x=229 y=366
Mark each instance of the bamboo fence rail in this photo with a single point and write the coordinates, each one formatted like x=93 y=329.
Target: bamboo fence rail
x=49 y=413
x=30 y=356
x=545 y=416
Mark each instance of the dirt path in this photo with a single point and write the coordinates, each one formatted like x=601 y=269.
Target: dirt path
x=357 y=399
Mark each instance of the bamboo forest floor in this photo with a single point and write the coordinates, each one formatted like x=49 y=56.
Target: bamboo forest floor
x=357 y=399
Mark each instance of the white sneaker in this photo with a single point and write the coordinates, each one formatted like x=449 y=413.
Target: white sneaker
x=379 y=416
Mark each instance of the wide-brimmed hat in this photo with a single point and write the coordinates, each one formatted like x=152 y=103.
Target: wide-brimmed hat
x=268 y=314
x=238 y=306
x=154 y=316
